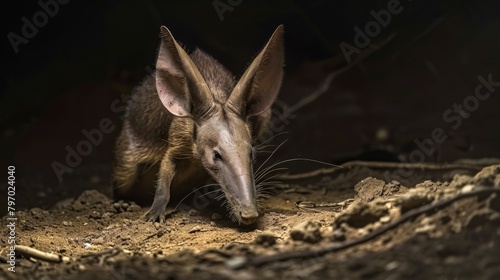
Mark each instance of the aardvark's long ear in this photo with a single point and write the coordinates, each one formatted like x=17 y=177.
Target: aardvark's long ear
x=258 y=87
x=181 y=88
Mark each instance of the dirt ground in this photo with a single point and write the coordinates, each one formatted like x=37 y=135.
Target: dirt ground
x=364 y=221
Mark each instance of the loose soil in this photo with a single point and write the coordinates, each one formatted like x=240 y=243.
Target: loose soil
x=105 y=239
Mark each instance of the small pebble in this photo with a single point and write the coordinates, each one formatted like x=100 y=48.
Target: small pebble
x=195 y=229
x=385 y=219
x=98 y=241
x=95 y=215
x=362 y=231
x=37 y=213
x=265 y=240
x=307 y=231
x=107 y=216
x=134 y=208
x=66 y=223
x=236 y=262
x=339 y=235
x=192 y=212
x=77 y=206
x=467 y=188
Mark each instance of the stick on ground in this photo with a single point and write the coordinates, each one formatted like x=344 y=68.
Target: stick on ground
x=40 y=255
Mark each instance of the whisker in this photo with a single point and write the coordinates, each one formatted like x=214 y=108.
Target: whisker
x=267 y=188
x=199 y=188
x=267 y=184
x=264 y=190
x=302 y=159
x=267 y=171
x=261 y=149
x=232 y=217
x=270 y=139
x=264 y=195
x=257 y=171
x=221 y=196
x=264 y=152
x=267 y=191
x=211 y=192
x=265 y=146
x=263 y=180
x=260 y=204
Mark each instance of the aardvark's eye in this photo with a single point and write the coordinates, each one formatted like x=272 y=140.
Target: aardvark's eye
x=217 y=156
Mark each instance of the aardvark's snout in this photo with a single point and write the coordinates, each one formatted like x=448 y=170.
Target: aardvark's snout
x=245 y=198
x=249 y=214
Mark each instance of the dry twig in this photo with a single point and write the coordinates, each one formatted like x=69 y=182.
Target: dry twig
x=40 y=255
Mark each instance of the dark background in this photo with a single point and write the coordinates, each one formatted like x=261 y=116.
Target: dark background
x=66 y=78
